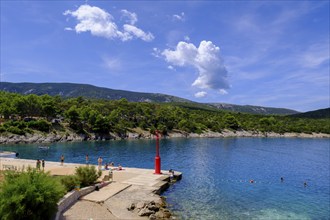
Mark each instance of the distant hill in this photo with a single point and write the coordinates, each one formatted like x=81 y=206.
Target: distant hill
x=71 y=90
x=254 y=109
x=317 y=114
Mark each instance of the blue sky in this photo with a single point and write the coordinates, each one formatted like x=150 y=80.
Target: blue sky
x=267 y=53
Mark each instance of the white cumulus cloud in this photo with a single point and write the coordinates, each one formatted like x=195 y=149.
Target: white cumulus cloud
x=131 y=31
x=200 y=94
x=100 y=23
x=206 y=59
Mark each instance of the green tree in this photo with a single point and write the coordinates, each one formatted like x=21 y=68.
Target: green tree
x=231 y=122
x=29 y=195
x=267 y=123
x=101 y=124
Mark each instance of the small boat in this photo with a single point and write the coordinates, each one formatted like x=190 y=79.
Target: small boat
x=43 y=147
x=8 y=154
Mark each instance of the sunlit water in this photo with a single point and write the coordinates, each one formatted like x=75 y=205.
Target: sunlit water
x=217 y=173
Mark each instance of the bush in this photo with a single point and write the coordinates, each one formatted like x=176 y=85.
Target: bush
x=69 y=182
x=29 y=195
x=2 y=129
x=87 y=175
x=28 y=130
x=16 y=130
x=40 y=125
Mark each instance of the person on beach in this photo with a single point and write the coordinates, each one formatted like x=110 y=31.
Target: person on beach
x=99 y=161
x=87 y=159
x=110 y=174
x=62 y=159
x=43 y=164
x=120 y=167
x=38 y=164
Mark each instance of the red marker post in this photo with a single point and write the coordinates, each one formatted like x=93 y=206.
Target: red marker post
x=157 y=158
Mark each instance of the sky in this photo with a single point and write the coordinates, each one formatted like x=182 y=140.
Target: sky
x=264 y=53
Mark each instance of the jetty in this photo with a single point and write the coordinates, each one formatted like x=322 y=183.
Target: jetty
x=130 y=193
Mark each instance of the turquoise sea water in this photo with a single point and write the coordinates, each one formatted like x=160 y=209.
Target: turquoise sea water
x=217 y=173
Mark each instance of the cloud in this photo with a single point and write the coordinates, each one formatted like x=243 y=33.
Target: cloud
x=156 y=52
x=131 y=31
x=113 y=64
x=180 y=17
x=316 y=55
x=200 y=94
x=100 y=23
x=206 y=59
x=223 y=92
x=131 y=16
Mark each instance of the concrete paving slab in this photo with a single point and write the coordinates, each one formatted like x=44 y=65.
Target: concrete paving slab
x=105 y=192
x=87 y=210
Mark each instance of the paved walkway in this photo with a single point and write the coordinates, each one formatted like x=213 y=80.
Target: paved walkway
x=105 y=192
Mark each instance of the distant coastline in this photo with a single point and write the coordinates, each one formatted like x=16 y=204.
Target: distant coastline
x=43 y=138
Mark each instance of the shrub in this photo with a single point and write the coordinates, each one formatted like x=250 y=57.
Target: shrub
x=87 y=175
x=28 y=130
x=29 y=195
x=40 y=125
x=2 y=129
x=16 y=130
x=69 y=182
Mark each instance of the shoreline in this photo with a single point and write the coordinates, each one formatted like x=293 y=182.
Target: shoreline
x=139 y=134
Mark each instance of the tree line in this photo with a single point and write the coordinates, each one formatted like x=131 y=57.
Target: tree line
x=21 y=114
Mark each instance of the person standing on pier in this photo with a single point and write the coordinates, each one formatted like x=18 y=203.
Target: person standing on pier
x=87 y=159
x=38 y=164
x=43 y=164
x=62 y=160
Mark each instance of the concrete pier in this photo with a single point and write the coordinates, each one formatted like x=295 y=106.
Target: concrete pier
x=128 y=186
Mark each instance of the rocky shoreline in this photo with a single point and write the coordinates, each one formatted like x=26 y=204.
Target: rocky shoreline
x=69 y=137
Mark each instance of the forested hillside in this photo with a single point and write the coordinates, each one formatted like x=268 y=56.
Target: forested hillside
x=321 y=113
x=73 y=90
x=21 y=114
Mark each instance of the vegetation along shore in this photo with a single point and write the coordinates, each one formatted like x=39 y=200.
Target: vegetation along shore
x=44 y=119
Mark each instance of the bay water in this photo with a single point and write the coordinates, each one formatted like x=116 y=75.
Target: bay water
x=218 y=173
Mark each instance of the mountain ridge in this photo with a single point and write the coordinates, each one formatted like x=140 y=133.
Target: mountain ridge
x=316 y=114
x=71 y=90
